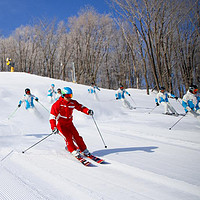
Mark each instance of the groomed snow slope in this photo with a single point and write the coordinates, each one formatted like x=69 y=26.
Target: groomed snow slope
x=144 y=159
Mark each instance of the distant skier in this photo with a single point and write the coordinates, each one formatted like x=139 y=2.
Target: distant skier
x=92 y=90
x=51 y=93
x=58 y=94
x=28 y=99
x=120 y=95
x=61 y=121
x=191 y=101
x=162 y=98
x=29 y=105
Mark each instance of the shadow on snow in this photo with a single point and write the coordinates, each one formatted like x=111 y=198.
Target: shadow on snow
x=104 y=152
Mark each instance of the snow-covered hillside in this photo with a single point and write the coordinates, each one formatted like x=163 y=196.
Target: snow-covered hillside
x=144 y=159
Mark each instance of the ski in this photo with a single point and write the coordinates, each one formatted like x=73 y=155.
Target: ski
x=94 y=158
x=83 y=160
x=171 y=114
x=132 y=108
x=86 y=162
x=181 y=114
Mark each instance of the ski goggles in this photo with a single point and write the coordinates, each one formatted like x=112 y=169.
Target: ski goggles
x=195 y=90
x=67 y=95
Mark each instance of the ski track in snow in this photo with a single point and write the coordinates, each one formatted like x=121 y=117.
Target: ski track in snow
x=144 y=160
x=13 y=187
x=132 y=176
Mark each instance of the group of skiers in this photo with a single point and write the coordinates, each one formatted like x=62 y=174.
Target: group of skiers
x=190 y=101
x=61 y=117
x=120 y=94
x=53 y=95
x=62 y=109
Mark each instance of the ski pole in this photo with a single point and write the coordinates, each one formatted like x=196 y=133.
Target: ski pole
x=37 y=143
x=7 y=155
x=11 y=115
x=177 y=122
x=99 y=132
x=133 y=100
x=43 y=106
x=152 y=109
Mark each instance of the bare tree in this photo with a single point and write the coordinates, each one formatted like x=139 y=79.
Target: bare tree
x=150 y=43
x=90 y=35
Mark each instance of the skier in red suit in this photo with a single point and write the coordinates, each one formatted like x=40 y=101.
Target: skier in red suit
x=61 y=121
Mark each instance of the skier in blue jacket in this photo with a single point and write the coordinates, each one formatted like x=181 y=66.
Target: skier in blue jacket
x=51 y=93
x=162 y=98
x=28 y=99
x=120 y=95
x=92 y=90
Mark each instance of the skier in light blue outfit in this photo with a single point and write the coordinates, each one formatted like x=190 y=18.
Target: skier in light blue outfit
x=28 y=99
x=120 y=95
x=162 y=98
x=51 y=93
x=92 y=90
x=191 y=101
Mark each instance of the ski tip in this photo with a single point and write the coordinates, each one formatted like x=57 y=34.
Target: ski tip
x=89 y=164
x=101 y=162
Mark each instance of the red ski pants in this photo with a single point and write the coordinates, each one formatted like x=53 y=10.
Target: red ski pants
x=72 y=137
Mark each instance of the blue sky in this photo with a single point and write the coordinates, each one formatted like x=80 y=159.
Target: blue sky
x=14 y=13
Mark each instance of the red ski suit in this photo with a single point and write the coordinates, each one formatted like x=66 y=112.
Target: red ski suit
x=61 y=117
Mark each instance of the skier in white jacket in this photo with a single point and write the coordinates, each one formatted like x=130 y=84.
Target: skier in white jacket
x=28 y=99
x=92 y=90
x=58 y=94
x=120 y=94
x=162 y=98
x=191 y=101
x=51 y=94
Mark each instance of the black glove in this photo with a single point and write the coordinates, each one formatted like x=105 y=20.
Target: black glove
x=36 y=99
x=19 y=105
x=116 y=98
x=129 y=95
x=90 y=112
x=55 y=131
x=176 y=98
x=157 y=104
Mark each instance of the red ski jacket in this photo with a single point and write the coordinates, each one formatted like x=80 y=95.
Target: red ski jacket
x=62 y=111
